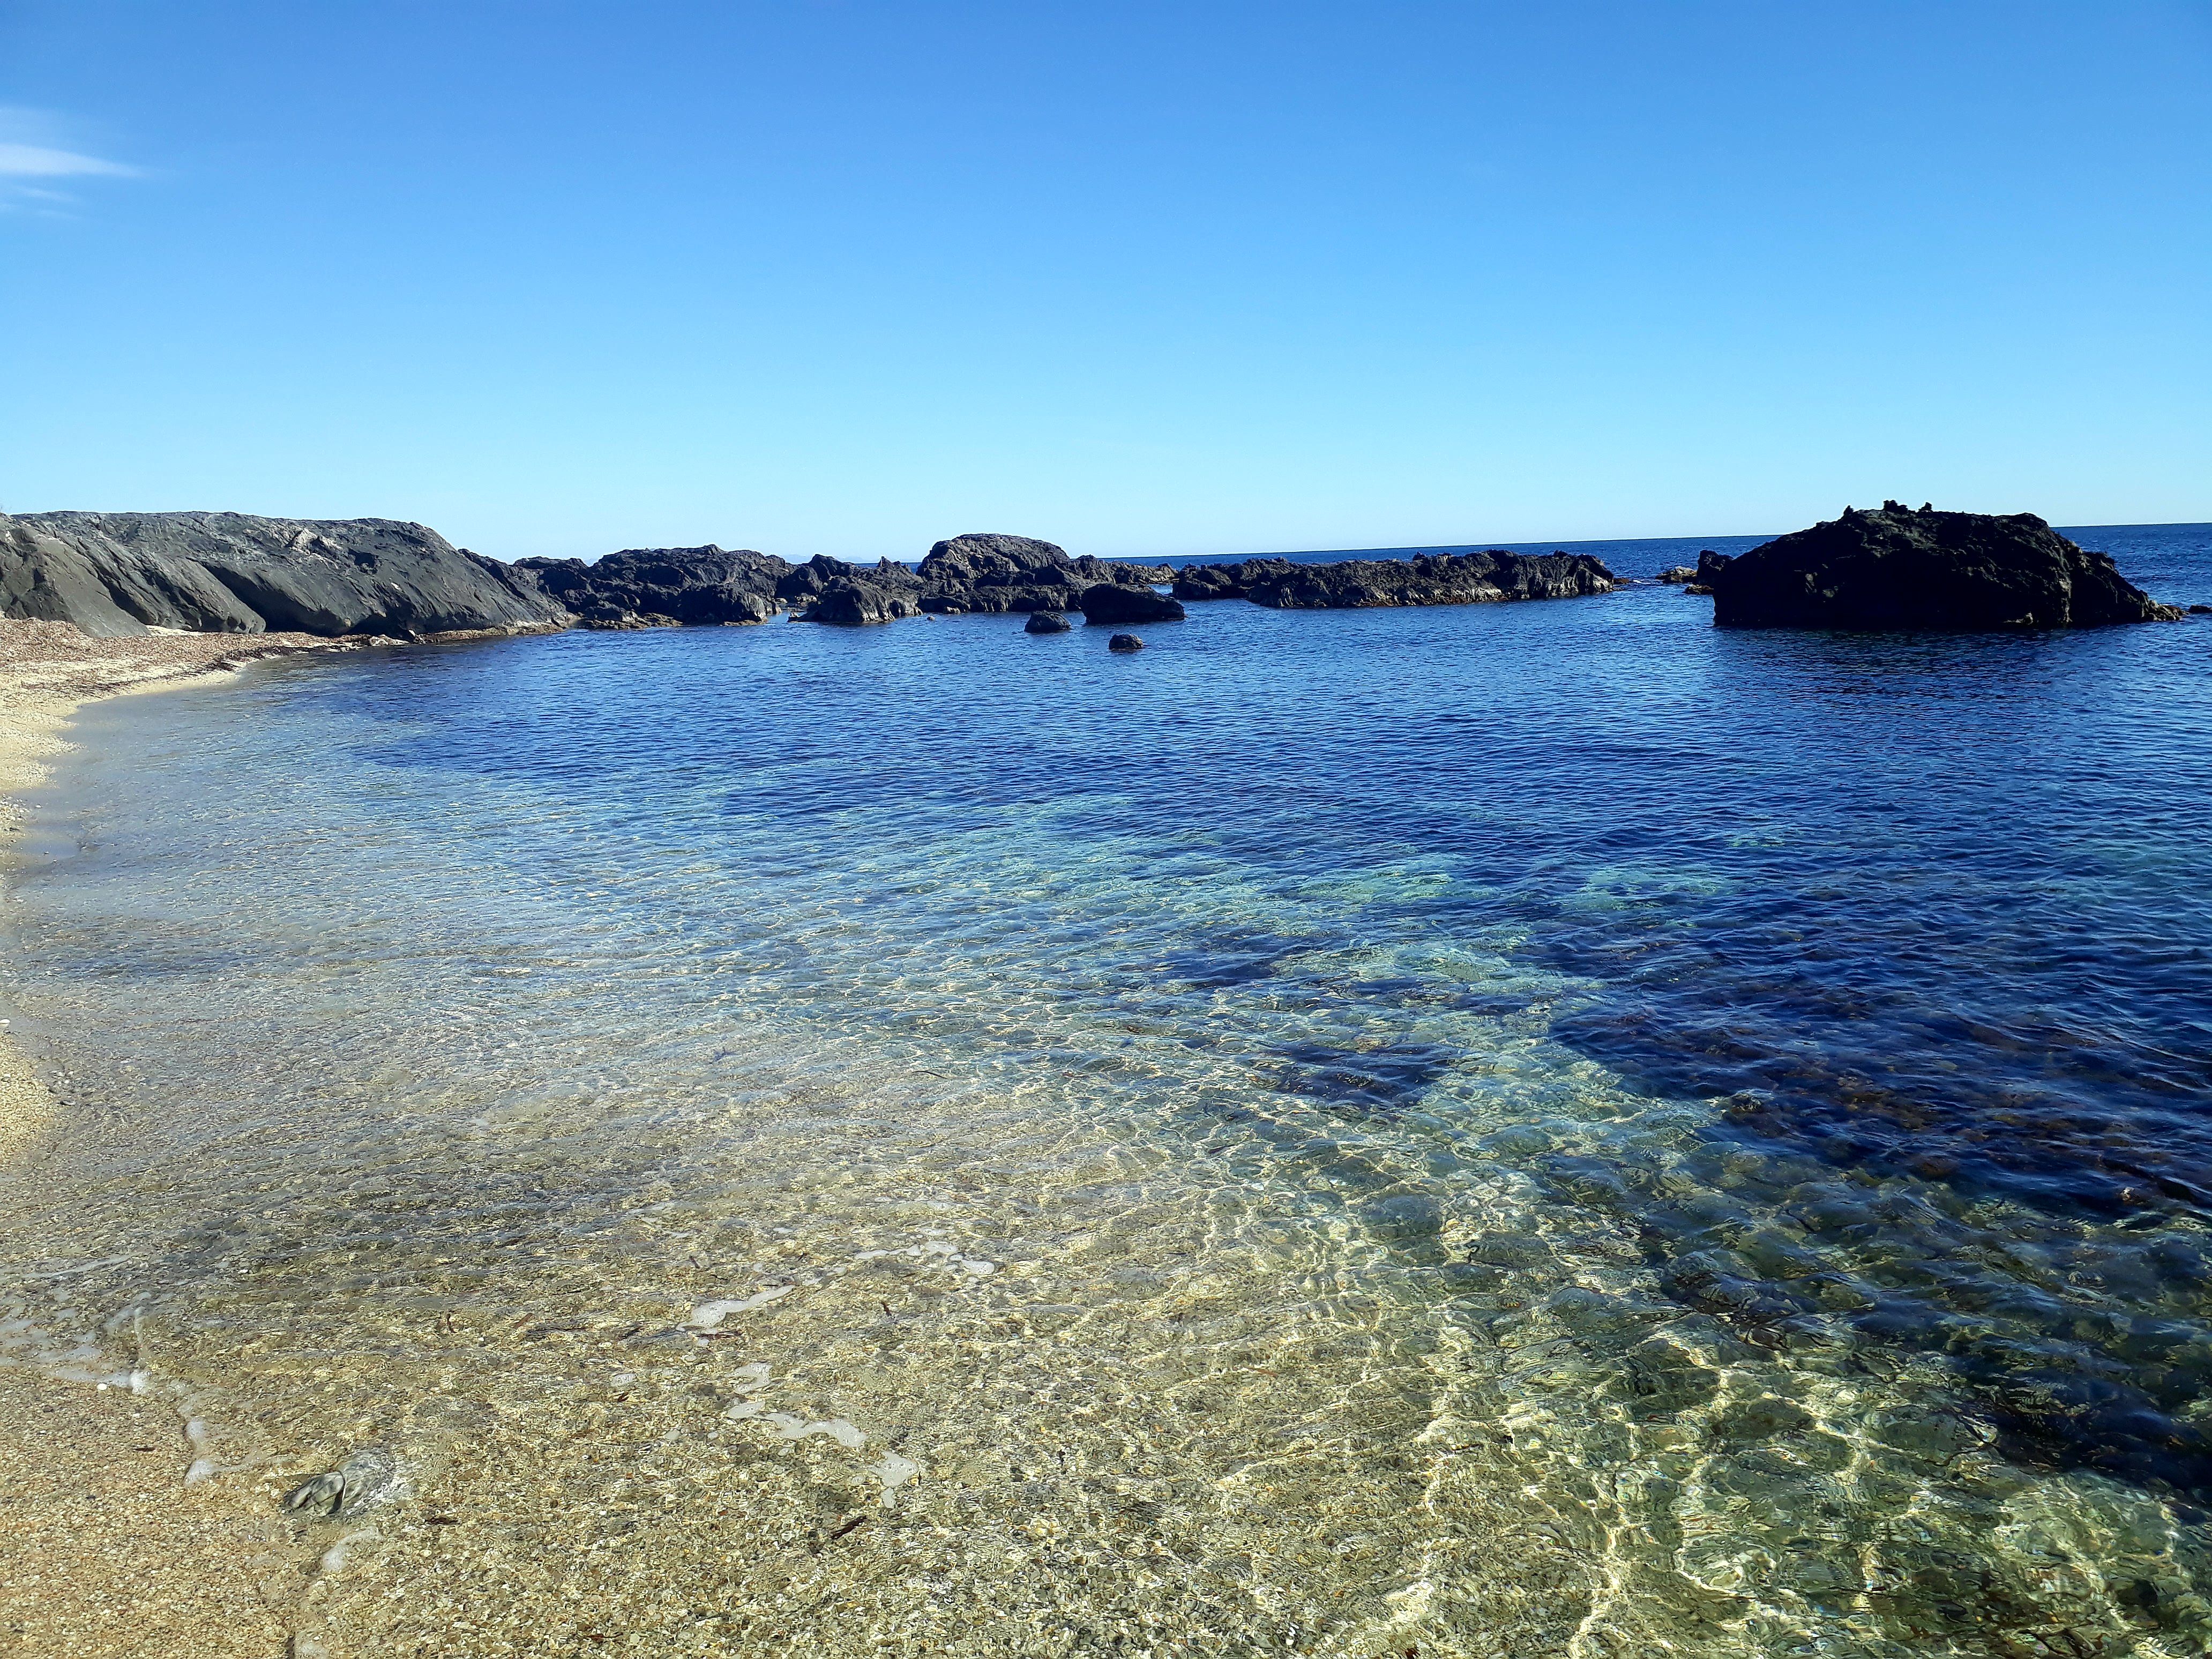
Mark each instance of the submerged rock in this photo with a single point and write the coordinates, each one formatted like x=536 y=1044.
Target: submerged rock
x=1108 y=603
x=1045 y=622
x=121 y=573
x=1125 y=643
x=368 y=1478
x=1902 y=567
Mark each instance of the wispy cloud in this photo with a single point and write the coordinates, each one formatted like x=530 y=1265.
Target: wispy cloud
x=36 y=154
x=38 y=162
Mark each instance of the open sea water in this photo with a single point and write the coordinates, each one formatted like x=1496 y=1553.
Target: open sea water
x=1528 y=1129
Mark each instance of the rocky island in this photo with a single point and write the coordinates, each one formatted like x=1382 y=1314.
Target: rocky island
x=1907 y=568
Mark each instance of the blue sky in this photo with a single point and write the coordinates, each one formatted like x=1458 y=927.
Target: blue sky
x=847 y=276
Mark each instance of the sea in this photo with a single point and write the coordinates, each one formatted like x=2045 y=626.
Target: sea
x=1539 y=1129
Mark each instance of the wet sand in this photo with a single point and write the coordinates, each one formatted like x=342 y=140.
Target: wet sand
x=104 y=1550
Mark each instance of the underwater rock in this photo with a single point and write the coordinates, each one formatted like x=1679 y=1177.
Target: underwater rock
x=364 y=1479
x=1046 y=622
x=1902 y=567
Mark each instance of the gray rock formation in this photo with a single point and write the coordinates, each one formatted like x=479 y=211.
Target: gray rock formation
x=1045 y=622
x=1125 y=643
x=1902 y=568
x=121 y=573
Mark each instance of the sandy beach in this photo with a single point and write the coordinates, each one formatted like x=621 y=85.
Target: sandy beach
x=103 y=1549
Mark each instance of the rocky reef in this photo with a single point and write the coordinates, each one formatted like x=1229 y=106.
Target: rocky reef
x=1907 y=567
x=1486 y=578
x=114 y=573
x=992 y=575
x=977 y=574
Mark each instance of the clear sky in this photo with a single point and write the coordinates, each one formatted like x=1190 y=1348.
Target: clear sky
x=847 y=276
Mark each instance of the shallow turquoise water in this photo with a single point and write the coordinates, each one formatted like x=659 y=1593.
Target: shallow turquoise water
x=1521 y=1128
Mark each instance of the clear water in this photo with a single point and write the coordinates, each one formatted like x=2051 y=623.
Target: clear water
x=1526 y=1129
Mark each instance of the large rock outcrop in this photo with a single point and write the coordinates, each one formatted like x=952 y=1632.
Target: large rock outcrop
x=1113 y=604
x=698 y=586
x=233 y=573
x=860 y=605
x=1902 y=568
x=994 y=574
x=1430 y=579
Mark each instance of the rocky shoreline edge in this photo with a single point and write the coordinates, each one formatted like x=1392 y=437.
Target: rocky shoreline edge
x=121 y=574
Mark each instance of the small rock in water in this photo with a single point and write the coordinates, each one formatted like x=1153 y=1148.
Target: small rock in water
x=1046 y=622
x=1114 y=602
x=1125 y=643
x=2194 y=611
x=365 y=1479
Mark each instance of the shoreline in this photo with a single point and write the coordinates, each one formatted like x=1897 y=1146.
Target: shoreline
x=49 y=671
x=103 y=1547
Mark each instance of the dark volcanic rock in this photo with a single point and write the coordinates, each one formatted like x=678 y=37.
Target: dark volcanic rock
x=821 y=573
x=1045 y=622
x=859 y=604
x=1108 y=603
x=696 y=585
x=1903 y=568
x=1125 y=643
x=121 y=573
x=1709 y=565
x=1430 y=579
x=995 y=574
x=1228 y=581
